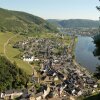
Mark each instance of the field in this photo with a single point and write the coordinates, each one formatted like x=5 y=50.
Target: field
x=11 y=53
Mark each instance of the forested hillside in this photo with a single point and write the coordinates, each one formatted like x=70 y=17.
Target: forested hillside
x=15 y=21
x=75 y=23
x=11 y=76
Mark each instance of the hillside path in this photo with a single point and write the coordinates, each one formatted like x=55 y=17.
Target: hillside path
x=6 y=43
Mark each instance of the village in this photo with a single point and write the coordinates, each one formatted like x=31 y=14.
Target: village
x=80 y=31
x=56 y=75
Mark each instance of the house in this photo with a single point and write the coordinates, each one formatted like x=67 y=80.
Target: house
x=56 y=61
x=32 y=98
x=56 y=78
x=48 y=79
x=38 y=96
x=72 y=98
x=54 y=74
x=10 y=94
x=41 y=95
x=73 y=91
x=36 y=59
x=46 y=92
x=50 y=72
x=90 y=81
x=62 y=88
x=35 y=79
x=28 y=58
x=95 y=86
x=25 y=94
x=79 y=93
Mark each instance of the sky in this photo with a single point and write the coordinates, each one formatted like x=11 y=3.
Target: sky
x=55 y=9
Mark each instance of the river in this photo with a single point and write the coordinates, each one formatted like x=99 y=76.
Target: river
x=84 y=53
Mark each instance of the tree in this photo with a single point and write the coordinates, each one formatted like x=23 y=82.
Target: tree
x=97 y=73
x=97 y=50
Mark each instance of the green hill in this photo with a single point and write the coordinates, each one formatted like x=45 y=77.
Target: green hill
x=75 y=23
x=15 y=21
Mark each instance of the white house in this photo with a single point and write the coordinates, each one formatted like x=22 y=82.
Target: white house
x=29 y=59
x=46 y=92
x=79 y=93
x=11 y=94
x=36 y=59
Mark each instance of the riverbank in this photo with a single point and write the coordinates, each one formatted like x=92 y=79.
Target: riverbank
x=88 y=73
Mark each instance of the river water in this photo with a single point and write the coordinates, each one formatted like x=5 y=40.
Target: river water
x=84 y=53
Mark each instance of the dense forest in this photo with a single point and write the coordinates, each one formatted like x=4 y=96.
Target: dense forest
x=15 y=21
x=75 y=23
x=11 y=77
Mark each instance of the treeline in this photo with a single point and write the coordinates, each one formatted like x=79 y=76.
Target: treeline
x=11 y=77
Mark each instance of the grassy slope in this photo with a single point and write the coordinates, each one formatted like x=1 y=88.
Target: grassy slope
x=3 y=39
x=11 y=52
